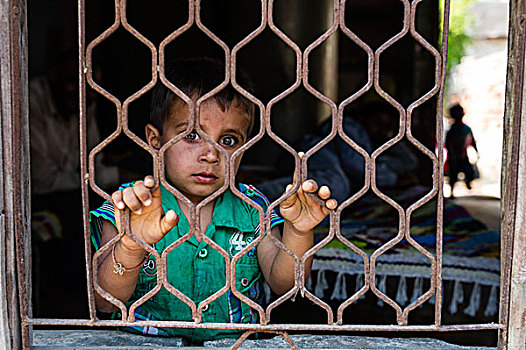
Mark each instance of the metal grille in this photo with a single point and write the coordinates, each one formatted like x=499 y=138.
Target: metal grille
x=334 y=322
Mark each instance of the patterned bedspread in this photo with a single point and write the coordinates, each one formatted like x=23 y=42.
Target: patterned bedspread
x=470 y=253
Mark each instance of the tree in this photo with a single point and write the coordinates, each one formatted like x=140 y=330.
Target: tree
x=460 y=20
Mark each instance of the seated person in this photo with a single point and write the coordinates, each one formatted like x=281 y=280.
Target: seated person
x=342 y=168
x=196 y=168
x=56 y=200
x=54 y=117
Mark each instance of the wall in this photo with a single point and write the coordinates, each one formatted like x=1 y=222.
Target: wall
x=478 y=83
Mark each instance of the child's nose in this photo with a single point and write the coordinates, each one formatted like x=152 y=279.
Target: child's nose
x=210 y=154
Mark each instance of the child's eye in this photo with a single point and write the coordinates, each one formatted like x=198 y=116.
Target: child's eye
x=229 y=141
x=192 y=136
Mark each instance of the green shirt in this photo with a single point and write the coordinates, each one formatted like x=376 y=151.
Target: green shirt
x=198 y=270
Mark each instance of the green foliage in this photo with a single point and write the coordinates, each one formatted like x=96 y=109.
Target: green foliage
x=460 y=20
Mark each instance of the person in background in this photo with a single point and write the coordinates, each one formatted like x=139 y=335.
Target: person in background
x=341 y=168
x=458 y=138
x=58 y=243
x=54 y=117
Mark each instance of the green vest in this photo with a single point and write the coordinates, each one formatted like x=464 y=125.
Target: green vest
x=198 y=270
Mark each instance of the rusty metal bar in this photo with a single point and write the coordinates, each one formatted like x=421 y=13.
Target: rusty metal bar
x=245 y=335
x=440 y=155
x=15 y=303
x=303 y=170
x=362 y=152
x=263 y=316
x=140 y=142
x=10 y=330
x=229 y=175
x=436 y=279
x=16 y=171
x=299 y=77
x=83 y=161
x=512 y=187
x=90 y=176
x=159 y=158
x=270 y=327
x=402 y=227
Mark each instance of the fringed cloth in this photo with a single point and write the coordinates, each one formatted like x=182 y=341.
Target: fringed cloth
x=470 y=254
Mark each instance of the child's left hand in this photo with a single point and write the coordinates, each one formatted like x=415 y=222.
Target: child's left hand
x=302 y=211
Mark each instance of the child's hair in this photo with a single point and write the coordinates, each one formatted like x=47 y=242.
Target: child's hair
x=456 y=112
x=196 y=77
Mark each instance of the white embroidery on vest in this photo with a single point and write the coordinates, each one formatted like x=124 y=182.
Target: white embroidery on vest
x=238 y=242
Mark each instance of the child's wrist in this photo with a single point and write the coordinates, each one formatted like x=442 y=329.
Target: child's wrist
x=120 y=266
x=130 y=247
x=292 y=229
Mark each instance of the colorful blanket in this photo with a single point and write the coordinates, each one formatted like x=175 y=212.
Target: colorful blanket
x=470 y=252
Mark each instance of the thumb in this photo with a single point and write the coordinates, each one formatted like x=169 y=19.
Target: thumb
x=289 y=202
x=169 y=221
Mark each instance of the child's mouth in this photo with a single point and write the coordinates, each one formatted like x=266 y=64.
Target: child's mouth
x=205 y=177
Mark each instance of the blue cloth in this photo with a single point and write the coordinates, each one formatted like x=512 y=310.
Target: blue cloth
x=342 y=168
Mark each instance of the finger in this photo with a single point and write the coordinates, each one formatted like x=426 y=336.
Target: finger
x=324 y=192
x=169 y=221
x=300 y=154
x=309 y=186
x=117 y=199
x=331 y=204
x=287 y=203
x=149 y=181
x=143 y=193
x=131 y=200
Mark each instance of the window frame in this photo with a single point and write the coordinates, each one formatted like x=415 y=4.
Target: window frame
x=15 y=238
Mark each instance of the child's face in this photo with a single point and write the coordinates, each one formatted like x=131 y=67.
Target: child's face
x=194 y=166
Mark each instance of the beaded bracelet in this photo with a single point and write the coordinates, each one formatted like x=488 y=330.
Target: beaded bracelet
x=118 y=269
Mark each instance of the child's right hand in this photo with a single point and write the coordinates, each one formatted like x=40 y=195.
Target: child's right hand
x=147 y=220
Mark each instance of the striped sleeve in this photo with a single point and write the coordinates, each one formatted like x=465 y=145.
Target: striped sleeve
x=258 y=197
x=96 y=218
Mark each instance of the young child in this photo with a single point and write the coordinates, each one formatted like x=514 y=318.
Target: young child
x=196 y=168
x=458 y=138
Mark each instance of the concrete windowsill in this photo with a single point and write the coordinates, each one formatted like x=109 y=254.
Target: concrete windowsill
x=108 y=339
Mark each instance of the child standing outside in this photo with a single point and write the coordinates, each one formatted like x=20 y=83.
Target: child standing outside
x=458 y=138
x=196 y=168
